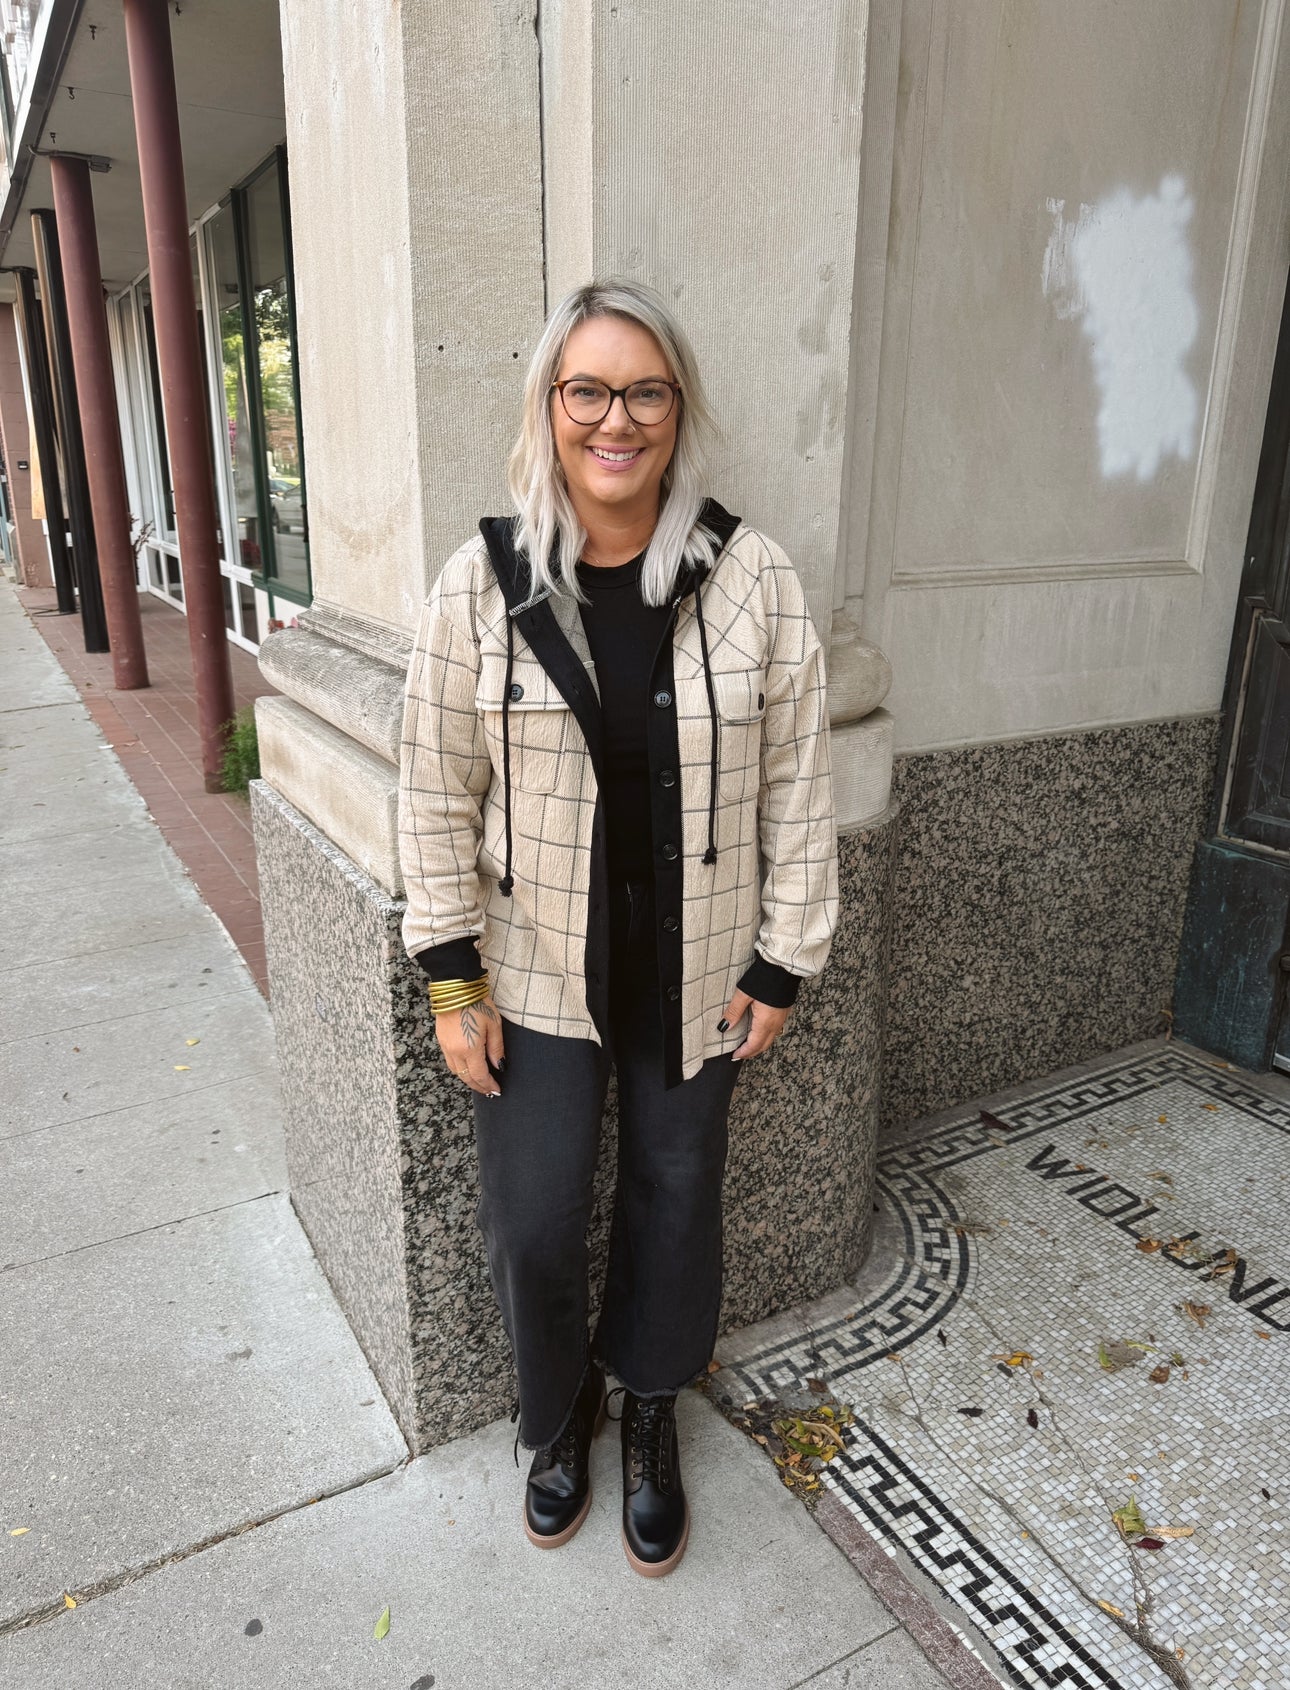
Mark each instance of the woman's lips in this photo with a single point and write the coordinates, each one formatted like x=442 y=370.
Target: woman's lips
x=616 y=466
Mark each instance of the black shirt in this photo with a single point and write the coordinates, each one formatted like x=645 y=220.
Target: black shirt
x=624 y=634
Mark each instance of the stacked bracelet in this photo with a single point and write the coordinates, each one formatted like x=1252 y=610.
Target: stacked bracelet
x=446 y=995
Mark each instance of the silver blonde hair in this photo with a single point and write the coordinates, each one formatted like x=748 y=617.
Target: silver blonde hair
x=548 y=523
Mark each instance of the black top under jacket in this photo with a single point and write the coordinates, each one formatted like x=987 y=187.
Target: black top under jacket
x=624 y=634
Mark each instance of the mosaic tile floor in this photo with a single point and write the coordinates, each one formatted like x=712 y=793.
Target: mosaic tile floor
x=1066 y=1231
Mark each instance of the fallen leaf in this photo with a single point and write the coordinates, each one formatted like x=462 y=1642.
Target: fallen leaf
x=972 y=1413
x=1147 y=1543
x=1112 y=1357
x=816 y=1385
x=1110 y=1608
x=945 y=1341
x=1267 y=1494
x=1162 y=1119
x=1135 y=1477
x=1128 y=1517
x=1018 y=1358
x=1147 y=1245
x=1259 y=1334
x=18 y=1531
x=1160 y=1173
x=893 y=1355
x=1195 y=1311
x=69 y=1601
x=1172 y=1531
x=1209 y=1106
x=383 y=1624
x=1159 y=1375
x=192 y=1041
x=1032 y=1419
x=182 y=1068
x=714 y=1367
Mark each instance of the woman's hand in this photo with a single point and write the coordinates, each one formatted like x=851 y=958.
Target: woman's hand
x=470 y=1039
x=766 y=1025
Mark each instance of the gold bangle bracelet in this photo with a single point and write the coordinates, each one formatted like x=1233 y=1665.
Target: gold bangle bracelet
x=447 y=995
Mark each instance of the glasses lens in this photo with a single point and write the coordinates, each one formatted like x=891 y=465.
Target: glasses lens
x=585 y=401
x=649 y=401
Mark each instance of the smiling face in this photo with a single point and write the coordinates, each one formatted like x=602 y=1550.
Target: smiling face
x=616 y=463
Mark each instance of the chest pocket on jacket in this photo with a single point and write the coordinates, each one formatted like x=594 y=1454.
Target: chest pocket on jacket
x=538 y=720
x=741 y=705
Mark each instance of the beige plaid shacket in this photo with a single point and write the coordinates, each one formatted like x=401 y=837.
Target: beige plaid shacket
x=773 y=888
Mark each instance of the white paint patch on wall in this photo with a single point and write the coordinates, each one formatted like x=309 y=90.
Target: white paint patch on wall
x=1123 y=266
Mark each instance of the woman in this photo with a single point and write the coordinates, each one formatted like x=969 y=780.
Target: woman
x=618 y=844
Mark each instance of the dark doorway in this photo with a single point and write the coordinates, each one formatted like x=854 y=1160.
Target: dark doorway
x=1230 y=994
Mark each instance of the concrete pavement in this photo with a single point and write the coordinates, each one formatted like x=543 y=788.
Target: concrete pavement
x=195 y=1452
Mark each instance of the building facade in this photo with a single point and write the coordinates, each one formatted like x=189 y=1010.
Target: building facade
x=988 y=299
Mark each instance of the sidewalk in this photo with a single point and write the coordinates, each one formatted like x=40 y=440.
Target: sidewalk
x=155 y=734
x=203 y=1484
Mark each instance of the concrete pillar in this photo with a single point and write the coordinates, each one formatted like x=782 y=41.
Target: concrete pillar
x=96 y=391
x=165 y=214
x=471 y=202
x=19 y=449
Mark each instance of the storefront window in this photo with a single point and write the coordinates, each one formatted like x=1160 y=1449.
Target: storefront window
x=159 y=434
x=237 y=398
x=266 y=277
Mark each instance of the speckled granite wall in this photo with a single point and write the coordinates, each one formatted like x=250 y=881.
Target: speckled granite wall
x=380 y=1150
x=1039 y=895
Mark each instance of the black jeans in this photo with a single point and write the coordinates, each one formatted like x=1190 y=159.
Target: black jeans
x=538 y=1147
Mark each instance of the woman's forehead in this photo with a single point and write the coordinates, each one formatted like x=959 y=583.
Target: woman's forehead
x=613 y=349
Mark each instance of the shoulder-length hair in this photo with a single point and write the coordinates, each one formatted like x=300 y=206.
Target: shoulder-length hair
x=548 y=531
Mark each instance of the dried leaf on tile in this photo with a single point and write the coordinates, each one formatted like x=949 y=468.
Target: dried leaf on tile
x=1159 y=1375
x=1195 y=1311
x=1016 y=1358
x=1129 y=1519
x=1172 y=1531
x=1032 y=1420
x=1110 y=1608
x=972 y=1413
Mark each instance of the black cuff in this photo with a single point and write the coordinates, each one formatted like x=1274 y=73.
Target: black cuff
x=769 y=983
x=458 y=959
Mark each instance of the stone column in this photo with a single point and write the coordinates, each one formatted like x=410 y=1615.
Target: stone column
x=469 y=202
x=100 y=429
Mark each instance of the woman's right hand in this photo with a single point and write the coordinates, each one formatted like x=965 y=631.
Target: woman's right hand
x=470 y=1039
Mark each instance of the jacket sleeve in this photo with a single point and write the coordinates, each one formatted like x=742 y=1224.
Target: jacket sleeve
x=796 y=818
x=444 y=773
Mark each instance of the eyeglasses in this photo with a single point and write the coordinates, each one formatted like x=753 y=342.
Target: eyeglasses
x=587 y=402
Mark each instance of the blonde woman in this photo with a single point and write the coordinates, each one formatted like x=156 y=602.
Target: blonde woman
x=618 y=843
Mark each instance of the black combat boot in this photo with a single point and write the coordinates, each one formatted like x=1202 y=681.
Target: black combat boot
x=656 y=1516
x=558 y=1493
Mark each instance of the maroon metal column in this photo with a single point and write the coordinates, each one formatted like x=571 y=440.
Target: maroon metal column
x=96 y=394
x=165 y=214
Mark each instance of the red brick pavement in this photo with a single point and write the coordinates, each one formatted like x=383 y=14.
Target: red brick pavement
x=154 y=732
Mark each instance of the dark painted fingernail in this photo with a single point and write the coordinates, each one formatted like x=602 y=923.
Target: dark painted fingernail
x=723 y=1026
x=501 y=1066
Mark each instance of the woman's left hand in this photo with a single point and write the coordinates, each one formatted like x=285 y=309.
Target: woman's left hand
x=766 y=1026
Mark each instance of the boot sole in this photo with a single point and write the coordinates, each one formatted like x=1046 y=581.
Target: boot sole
x=657 y=1569
x=556 y=1539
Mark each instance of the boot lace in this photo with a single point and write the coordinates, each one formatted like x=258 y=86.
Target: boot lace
x=650 y=1439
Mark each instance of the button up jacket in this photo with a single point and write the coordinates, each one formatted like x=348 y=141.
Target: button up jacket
x=501 y=831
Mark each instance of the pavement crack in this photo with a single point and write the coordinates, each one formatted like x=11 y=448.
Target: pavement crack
x=1143 y=1597
x=131 y=1575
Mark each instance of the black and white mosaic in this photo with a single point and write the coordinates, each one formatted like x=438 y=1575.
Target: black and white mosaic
x=1071 y=1227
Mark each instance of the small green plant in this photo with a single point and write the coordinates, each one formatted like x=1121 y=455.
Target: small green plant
x=241 y=763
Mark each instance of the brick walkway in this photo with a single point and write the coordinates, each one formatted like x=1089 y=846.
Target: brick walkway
x=154 y=732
